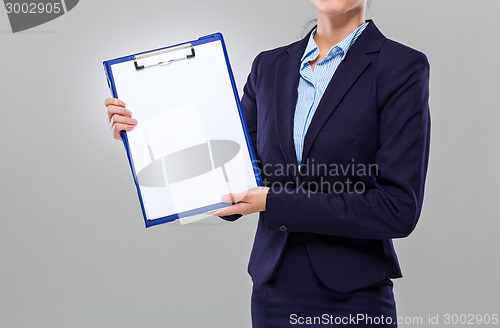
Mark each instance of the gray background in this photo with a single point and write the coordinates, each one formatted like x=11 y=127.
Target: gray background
x=73 y=248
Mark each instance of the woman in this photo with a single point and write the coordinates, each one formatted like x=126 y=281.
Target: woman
x=340 y=124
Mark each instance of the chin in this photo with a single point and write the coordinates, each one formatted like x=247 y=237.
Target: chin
x=337 y=7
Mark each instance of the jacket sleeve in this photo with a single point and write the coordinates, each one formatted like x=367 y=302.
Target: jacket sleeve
x=249 y=105
x=390 y=209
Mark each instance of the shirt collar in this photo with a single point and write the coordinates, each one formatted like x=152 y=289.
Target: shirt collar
x=341 y=48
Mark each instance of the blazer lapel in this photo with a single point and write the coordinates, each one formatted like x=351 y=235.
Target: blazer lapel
x=285 y=99
x=348 y=72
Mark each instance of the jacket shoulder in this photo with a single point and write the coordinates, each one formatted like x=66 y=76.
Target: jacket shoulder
x=272 y=55
x=399 y=66
x=393 y=53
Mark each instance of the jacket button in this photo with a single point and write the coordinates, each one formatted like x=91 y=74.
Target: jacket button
x=283 y=228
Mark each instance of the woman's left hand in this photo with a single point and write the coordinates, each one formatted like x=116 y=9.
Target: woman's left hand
x=250 y=201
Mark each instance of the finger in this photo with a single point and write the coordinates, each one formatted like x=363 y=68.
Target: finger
x=234 y=197
x=211 y=212
x=226 y=211
x=122 y=119
x=114 y=101
x=118 y=127
x=227 y=198
x=238 y=208
x=113 y=110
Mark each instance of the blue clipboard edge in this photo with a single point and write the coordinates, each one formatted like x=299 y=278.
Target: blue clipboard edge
x=109 y=75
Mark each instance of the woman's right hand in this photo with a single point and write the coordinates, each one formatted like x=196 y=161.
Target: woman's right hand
x=119 y=117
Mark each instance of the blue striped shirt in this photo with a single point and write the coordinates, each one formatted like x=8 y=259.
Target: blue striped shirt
x=312 y=84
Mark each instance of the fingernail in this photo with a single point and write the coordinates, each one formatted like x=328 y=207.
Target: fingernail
x=127 y=112
x=130 y=126
x=225 y=198
x=120 y=103
x=133 y=120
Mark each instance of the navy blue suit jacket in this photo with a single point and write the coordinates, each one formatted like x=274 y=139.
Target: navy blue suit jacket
x=374 y=112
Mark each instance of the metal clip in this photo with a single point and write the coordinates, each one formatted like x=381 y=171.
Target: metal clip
x=163 y=51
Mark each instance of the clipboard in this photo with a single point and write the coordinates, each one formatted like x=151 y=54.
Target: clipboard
x=191 y=144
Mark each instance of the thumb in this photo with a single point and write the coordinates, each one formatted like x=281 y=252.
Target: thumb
x=233 y=197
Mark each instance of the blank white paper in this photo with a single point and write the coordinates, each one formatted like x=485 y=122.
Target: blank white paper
x=182 y=109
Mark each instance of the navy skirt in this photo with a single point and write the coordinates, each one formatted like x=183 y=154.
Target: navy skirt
x=295 y=297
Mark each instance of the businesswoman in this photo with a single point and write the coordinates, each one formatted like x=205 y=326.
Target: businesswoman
x=340 y=125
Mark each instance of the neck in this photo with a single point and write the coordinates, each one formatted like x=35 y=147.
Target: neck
x=334 y=28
